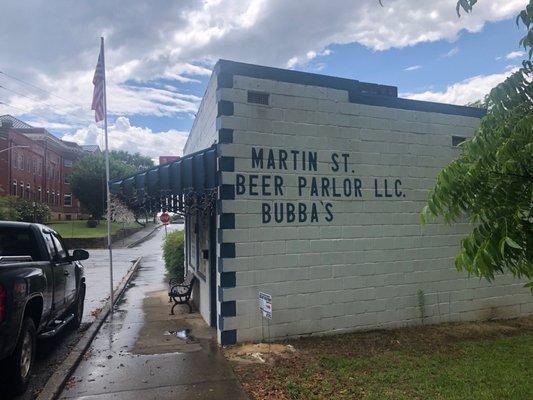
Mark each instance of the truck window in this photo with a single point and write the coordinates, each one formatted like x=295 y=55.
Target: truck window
x=60 y=248
x=49 y=245
x=19 y=242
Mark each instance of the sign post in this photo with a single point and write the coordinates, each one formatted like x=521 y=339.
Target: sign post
x=165 y=219
x=265 y=306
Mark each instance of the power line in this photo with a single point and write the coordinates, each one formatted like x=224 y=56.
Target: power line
x=12 y=106
x=26 y=96
x=38 y=88
x=46 y=104
x=26 y=111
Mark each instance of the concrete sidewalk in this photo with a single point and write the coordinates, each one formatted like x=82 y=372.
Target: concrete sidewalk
x=139 y=236
x=145 y=353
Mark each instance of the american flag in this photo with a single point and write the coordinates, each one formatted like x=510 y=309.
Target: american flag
x=98 y=92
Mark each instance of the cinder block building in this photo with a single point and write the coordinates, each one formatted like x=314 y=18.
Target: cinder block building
x=309 y=188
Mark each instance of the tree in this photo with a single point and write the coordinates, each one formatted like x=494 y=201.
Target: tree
x=87 y=180
x=135 y=160
x=491 y=183
x=8 y=211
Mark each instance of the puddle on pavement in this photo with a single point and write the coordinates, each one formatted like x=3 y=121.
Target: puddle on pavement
x=184 y=334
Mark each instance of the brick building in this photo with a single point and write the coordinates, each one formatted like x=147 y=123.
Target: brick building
x=34 y=165
x=308 y=188
x=167 y=159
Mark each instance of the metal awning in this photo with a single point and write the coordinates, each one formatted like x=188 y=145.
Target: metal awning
x=178 y=186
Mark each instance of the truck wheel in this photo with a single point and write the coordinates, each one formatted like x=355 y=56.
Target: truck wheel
x=78 y=308
x=21 y=361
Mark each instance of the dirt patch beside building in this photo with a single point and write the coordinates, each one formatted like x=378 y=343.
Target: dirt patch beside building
x=472 y=360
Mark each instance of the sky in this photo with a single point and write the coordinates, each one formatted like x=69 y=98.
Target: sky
x=159 y=56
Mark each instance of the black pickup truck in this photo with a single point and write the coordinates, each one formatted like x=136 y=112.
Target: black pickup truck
x=42 y=290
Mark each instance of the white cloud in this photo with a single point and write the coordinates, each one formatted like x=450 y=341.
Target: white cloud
x=451 y=53
x=55 y=45
x=464 y=92
x=413 y=68
x=180 y=40
x=514 y=55
x=123 y=136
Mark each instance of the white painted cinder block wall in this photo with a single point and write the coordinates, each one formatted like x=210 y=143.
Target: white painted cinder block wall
x=203 y=134
x=365 y=268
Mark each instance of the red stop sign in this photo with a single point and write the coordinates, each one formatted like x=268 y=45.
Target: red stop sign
x=164 y=218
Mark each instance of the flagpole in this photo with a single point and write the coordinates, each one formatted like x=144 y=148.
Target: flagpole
x=108 y=196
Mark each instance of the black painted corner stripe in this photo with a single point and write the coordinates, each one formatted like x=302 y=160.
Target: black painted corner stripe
x=220 y=323
x=228 y=279
x=225 y=108
x=224 y=80
x=225 y=135
x=220 y=294
x=228 y=338
x=227 y=221
x=228 y=308
x=227 y=192
x=226 y=164
x=227 y=250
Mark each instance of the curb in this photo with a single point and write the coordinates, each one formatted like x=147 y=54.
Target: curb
x=57 y=381
x=144 y=238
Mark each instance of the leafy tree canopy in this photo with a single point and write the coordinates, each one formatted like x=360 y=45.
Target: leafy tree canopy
x=491 y=183
x=136 y=160
x=87 y=179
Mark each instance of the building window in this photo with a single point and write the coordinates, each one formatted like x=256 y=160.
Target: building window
x=20 y=161
x=21 y=193
x=28 y=191
x=68 y=200
x=66 y=180
x=67 y=163
x=47 y=199
x=14 y=188
x=40 y=194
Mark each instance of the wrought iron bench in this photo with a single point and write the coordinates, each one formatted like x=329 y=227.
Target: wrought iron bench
x=180 y=293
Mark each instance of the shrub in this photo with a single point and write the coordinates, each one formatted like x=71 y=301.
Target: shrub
x=92 y=223
x=174 y=254
x=29 y=211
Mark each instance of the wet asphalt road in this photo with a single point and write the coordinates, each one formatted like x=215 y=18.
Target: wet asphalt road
x=51 y=352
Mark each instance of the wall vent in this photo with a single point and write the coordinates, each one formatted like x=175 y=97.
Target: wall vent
x=258 y=97
x=457 y=140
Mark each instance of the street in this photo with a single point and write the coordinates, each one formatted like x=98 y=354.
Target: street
x=51 y=352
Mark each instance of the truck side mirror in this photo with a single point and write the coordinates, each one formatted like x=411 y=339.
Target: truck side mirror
x=79 y=255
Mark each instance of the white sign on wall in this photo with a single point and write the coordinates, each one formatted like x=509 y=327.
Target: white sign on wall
x=265 y=305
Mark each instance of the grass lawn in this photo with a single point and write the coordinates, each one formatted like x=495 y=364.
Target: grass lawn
x=491 y=360
x=79 y=229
